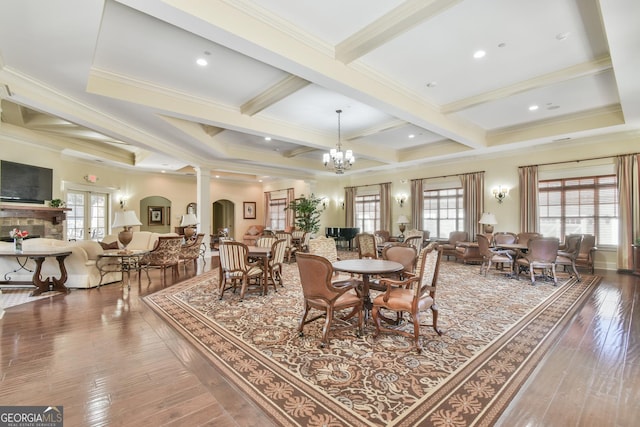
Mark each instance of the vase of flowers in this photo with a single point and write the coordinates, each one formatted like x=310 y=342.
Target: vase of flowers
x=18 y=237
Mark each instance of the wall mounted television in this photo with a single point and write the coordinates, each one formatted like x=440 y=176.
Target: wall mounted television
x=25 y=183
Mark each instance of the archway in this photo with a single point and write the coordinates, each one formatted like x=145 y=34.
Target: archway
x=223 y=216
x=155 y=214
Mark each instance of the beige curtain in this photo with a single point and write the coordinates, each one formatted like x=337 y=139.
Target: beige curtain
x=529 y=216
x=472 y=202
x=291 y=215
x=385 y=206
x=349 y=206
x=267 y=209
x=417 y=203
x=628 y=207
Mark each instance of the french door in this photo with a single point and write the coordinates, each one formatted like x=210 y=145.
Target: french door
x=87 y=219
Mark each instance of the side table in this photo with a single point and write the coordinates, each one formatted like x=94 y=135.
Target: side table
x=128 y=260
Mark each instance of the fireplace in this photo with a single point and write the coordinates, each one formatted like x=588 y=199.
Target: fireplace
x=37 y=220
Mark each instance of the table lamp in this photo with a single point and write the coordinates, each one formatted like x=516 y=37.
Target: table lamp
x=188 y=222
x=402 y=223
x=126 y=220
x=488 y=220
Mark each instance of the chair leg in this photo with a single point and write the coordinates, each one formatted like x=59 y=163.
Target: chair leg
x=307 y=308
x=575 y=271
x=326 y=327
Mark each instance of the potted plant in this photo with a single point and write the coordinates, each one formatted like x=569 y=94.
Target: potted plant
x=56 y=203
x=307 y=212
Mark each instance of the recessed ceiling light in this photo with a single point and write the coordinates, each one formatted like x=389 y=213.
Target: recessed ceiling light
x=479 y=54
x=202 y=62
x=412 y=136
x=267 y=138
x=217 y=176
x=533 y=107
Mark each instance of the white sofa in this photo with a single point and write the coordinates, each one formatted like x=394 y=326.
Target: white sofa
x=80 y=265
x=141 y=239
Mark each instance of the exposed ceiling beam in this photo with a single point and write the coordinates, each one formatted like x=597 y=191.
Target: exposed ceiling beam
x=275 y=93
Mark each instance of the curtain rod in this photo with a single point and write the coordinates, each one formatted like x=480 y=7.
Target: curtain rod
x=579 y=160
x=282 y=189
x=447 y=176
x=368 y=185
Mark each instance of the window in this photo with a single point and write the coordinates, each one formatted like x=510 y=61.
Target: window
x=443 y=211
x=586 y=205
x=277 y=214
x=368 y=213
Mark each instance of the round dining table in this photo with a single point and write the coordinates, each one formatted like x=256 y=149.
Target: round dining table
x=367 y=267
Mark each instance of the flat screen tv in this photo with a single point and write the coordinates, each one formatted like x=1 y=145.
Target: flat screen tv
x=25 y=183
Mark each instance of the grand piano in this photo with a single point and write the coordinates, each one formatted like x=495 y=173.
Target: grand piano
x=345 y=234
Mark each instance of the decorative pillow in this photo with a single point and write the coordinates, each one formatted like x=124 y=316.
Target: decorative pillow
x=112 y=245
x=253 y=231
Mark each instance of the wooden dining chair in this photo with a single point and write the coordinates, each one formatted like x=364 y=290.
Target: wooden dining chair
x=322 y=295
x=367 y=246
x=412 y=295
x=541 y=254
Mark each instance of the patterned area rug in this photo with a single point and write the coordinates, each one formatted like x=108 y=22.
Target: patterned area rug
x=496 y=330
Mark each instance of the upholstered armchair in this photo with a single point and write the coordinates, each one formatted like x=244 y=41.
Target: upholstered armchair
x=567 y=256
x=165 y=254
x=322 y=295
x=523 y=238
x=413 y=295
x=587 y=252
x=384 y=235
x=190 y=251
x=252 y=234
x=449 y=247
x=291 y=248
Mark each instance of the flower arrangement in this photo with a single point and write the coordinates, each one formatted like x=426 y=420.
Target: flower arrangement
x=18 y=234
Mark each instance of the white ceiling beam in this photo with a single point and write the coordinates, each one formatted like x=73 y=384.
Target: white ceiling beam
x=391 y=25
x=275 y=93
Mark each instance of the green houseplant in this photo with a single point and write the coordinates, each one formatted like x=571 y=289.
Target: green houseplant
x=307 y=212
x=56 y=203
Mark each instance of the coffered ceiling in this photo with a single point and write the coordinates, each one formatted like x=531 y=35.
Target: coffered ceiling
x=118 y=82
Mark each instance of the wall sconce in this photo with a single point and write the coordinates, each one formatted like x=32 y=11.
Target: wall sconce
x=341 y=202
x=500 y=193
x=324 y=202
x=401 y=198
x=123 y=202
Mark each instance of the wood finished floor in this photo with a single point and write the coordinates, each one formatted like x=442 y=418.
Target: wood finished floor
x=110 y=361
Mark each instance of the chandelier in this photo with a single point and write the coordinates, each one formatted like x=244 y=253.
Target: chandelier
x=336 y=158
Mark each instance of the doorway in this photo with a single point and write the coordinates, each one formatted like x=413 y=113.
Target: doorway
x=223 y=212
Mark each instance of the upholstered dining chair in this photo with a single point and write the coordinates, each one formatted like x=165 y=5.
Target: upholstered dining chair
x=236 y=268
x=190 y=251
x=415 y=241
x=164 y=255
x=568 y=255
x=326 y=247
x=321 y=294
x=367 y=246
x=274 y=264
x=541 y=254
x=413 y=295
x=491 y=255
x=523 y=238
x=266 y=241
x=291 y=248
x=403 y=253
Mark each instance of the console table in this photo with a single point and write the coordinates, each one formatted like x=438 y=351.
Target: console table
x=41 y=285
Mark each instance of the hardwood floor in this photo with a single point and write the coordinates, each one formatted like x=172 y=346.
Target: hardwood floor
x=104 y=356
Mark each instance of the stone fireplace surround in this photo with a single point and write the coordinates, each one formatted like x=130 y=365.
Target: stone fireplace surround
x=38 y=220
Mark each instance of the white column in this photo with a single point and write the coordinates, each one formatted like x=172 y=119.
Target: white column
x=204 y=204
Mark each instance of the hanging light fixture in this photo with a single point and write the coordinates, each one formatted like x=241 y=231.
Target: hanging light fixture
x=336 y=158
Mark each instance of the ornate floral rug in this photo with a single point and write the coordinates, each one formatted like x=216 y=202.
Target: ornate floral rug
x=496 y=330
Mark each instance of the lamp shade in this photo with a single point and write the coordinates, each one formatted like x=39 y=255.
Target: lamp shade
x=125 y=219
x=188 y=219
x=488 y=218
x=403 y=219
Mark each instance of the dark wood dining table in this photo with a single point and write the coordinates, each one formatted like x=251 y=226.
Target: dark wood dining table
x=367 y=267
